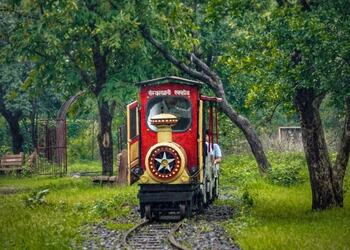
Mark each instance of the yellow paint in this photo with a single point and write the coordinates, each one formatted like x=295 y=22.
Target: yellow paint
x=164 y=135
x=185 y=179
x=133 y=148
x=134 y=163
x=144 y=178
x=164 y=122
x=182 y=176
x=134 y=151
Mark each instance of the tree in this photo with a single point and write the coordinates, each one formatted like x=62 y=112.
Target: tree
x=320 y=49
x=183 y=44
x=10 y=78
x=299 y=50
x=80 y=45
x=19 y=100
x=13 y=117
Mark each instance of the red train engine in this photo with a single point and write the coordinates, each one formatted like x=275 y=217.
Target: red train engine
x=167 y=148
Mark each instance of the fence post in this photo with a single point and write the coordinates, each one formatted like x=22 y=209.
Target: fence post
x=122 y=159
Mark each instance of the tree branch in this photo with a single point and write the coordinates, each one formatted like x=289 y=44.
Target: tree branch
x=305 y=4
x=272 y=114
x=83 y=74
x=180 y=65
x=214 y=82
x=206 y=69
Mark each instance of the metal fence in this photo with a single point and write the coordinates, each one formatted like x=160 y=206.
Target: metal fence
x=51 y=147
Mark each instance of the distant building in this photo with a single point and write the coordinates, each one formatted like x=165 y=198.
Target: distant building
x=290 y=135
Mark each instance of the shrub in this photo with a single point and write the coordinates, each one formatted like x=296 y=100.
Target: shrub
x=36 y=198
x=247 y=200
x=286 y=175
x=100 y=208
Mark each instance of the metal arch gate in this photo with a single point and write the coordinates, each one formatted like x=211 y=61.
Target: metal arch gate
x=52 y=141
x=51 y=147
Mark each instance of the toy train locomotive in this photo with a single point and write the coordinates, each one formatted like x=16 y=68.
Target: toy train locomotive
x=167 y=148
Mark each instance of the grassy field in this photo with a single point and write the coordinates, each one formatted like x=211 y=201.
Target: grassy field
x=84 y=166
x=271 y=213
x=58 y=221
x=275 y=212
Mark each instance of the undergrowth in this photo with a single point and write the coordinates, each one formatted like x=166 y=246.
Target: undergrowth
x=49 y=213
x=274 y=212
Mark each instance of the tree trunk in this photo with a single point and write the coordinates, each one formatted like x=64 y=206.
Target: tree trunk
x=342 y=160
x=315 y=148
x=33 y=124
x=254 y=141
x=17 y=138
x=105 y=138
x=12 y=119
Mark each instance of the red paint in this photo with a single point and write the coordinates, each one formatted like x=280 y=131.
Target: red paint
x=216 y=126
x=186 y=139
x=210 y=98
x=133 y=105
x=211 y=127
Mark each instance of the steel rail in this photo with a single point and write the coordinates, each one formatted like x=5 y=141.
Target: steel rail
x=125 y=238
x=172 y=239
x=170 y=235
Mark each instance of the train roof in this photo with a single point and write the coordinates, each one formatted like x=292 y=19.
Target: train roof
x=167 y=79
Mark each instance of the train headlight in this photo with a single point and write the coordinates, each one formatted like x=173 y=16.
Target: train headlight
x=165 y=161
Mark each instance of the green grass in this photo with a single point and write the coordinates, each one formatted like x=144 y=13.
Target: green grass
x=281 y=216
x=271 y=213
x=85 y=166
x=70 y=204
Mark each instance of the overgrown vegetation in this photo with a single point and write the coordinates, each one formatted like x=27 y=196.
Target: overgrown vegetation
x=274 y=213
x=270 y=61
x=270 y=213
x=57 y=222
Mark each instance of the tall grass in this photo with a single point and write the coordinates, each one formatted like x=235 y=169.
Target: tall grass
x=279 y=215
x=273 y=212
x=57 y=223
x=85 y=166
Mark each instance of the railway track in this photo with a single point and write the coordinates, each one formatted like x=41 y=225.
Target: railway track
x=153 y=235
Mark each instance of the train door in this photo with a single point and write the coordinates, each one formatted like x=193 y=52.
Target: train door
x=210 y=134
x=133 y=142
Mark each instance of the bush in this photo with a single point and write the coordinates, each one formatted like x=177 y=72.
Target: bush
x=286 y=175
x=36 y=198
x=247 y=200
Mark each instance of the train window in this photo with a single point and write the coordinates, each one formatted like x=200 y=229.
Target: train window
x=133 y=122
x=175 y=105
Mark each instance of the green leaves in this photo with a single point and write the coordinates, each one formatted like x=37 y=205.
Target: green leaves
x=36 y=198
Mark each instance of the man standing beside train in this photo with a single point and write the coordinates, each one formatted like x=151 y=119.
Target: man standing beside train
x=213 y=152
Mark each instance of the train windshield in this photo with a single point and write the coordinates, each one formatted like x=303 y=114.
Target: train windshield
x=175 y=105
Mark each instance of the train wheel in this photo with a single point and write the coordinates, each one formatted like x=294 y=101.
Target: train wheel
x=182 y=210
x=189 y=210
x=200 y=203
x=216 y=188
x=157 y=215
x=142 y=210
x=148 y=212
x=207 y=194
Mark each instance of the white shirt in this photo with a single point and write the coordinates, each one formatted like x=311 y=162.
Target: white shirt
x=216 y=151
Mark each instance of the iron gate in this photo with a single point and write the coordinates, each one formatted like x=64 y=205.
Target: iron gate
x=51 y=147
